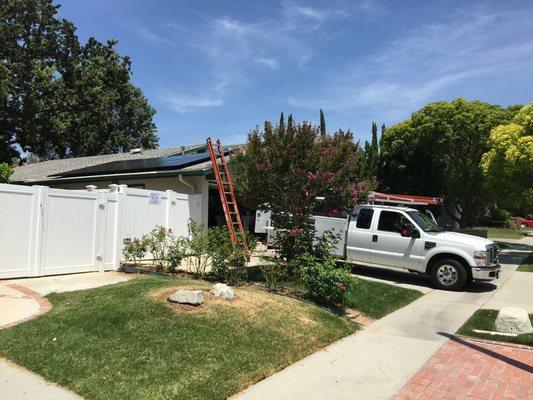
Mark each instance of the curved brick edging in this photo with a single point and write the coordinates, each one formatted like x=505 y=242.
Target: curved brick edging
x=44 y=304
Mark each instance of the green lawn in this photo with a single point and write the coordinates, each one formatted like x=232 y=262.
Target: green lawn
x=502 y=233
x=376 y=299
x=527 y=264
x=118 y=342
x=484 y=320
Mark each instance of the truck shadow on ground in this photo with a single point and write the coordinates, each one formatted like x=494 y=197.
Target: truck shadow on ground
x=414 y=279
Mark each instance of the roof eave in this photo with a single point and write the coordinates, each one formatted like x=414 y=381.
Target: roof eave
x=112 y=177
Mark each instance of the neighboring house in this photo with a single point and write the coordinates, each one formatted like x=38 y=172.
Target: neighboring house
x=185 y=169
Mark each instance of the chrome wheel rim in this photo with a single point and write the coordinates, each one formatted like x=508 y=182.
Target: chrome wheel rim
x=447 y=275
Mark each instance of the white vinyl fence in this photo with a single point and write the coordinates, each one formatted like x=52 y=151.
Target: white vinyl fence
x=45 y=231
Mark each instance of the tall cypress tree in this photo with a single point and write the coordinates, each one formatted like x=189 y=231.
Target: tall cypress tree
x=282 y=122
x=322 y=123
x=383 y=128
x=290 y=122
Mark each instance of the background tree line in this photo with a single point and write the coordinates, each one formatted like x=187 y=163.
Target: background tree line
x=476 y=155
x=60 y=98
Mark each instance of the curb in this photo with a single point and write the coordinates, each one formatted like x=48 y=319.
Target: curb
x=496 y=343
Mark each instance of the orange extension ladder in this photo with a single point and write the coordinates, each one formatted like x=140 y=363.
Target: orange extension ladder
x=227 y=196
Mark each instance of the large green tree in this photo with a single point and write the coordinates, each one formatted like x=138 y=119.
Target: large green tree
x=438 y=152
x=508 y=165
x=285 y=169
x=59 y=98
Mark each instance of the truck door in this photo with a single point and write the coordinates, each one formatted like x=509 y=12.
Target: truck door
x=359 y=237
x=389 y=247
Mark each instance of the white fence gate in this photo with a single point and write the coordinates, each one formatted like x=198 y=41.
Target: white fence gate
x=46 y=231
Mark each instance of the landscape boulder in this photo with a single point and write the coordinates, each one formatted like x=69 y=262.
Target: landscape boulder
x=223 y=291
x=513 y=320
x=192 y=297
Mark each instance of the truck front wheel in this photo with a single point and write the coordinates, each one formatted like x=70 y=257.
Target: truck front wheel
x=449 y=275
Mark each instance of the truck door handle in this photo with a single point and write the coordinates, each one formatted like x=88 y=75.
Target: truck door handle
x=374 y=238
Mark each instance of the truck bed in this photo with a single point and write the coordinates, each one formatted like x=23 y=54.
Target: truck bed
x=337 y=226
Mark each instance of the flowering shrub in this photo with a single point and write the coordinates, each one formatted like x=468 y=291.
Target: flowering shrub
x=286 y=167
x=324 y=282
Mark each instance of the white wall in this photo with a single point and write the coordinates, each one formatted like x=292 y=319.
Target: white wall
x=199 y=183
x=46 y=231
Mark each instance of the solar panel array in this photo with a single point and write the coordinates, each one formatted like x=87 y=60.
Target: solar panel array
x=177 y=161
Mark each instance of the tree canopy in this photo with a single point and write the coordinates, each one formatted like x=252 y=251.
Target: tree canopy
x=508 y=165
x=285 y=168
x=59 y=98
x=437 y=152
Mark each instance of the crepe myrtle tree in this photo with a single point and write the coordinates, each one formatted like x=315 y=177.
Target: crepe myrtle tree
x=284 y=169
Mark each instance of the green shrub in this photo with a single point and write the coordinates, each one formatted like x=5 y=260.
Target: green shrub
x=499 y=215
x=228 y=262
x=5 y=173
x=197 y=248
x=135 y=250
x=324 y=282
x=274 y=271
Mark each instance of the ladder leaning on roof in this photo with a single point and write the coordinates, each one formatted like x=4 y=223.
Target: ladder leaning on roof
x=227 y=196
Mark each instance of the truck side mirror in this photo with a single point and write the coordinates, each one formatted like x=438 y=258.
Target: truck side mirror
x=414 y=233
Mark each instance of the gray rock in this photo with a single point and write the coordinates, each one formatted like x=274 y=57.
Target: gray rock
x=192 y=297
x=223 y=291
x=513 y=320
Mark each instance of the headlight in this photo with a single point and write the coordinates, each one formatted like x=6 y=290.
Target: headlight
x=480 y=257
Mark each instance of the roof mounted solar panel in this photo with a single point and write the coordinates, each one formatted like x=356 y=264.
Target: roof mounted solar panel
x=177 y=161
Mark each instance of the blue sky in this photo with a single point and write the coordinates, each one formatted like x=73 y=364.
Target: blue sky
x=220 y=68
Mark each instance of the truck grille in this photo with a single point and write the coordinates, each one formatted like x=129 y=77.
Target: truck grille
x=492 y=255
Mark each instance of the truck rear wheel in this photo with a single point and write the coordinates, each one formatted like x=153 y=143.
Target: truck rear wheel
x=449 y=275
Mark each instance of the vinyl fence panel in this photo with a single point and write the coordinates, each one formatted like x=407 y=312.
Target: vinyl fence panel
x=46 y=231
x=19 y=221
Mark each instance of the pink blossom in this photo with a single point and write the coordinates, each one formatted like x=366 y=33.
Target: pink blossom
x=333 y=212
x=263 y=167
x=329 y=176
x=295 y=231
x=311 y=176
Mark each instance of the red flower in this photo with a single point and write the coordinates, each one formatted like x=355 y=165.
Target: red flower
x=296 y=231
x=342 y=288
x=311 y=176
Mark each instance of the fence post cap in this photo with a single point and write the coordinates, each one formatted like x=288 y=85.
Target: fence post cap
x=113 y=187
x=91 y=188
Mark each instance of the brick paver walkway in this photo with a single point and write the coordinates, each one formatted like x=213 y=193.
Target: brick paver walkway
x=472 y=369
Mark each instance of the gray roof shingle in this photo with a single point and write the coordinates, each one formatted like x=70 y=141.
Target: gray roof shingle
x=42 y=171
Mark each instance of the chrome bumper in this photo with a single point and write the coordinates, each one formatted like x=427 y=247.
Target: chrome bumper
x=486 y=273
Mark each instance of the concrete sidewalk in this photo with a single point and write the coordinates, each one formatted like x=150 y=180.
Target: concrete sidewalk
x=377 y=362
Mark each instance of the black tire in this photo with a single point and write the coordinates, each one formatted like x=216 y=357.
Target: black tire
x=449 y=274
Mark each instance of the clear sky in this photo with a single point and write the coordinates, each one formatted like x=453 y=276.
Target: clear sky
x=220 y=68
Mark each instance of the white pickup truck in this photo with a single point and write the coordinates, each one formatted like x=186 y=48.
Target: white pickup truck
x=398 y=237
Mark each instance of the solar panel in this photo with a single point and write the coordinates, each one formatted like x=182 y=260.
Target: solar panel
x=139 y=165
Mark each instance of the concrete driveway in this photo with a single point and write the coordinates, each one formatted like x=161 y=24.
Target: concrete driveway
x=377 y=362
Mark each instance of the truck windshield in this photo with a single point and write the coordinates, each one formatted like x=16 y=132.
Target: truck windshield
x=424 y=222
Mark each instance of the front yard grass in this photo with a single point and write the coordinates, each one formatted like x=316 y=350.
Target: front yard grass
x=485 y=320
x=376 y=299
x=502 y=233
x=119 y=342
x=527 y=264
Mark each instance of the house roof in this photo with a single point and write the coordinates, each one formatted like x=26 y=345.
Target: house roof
x=49 y=171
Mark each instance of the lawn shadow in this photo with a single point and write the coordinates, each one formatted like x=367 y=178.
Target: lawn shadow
x=501 y=357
